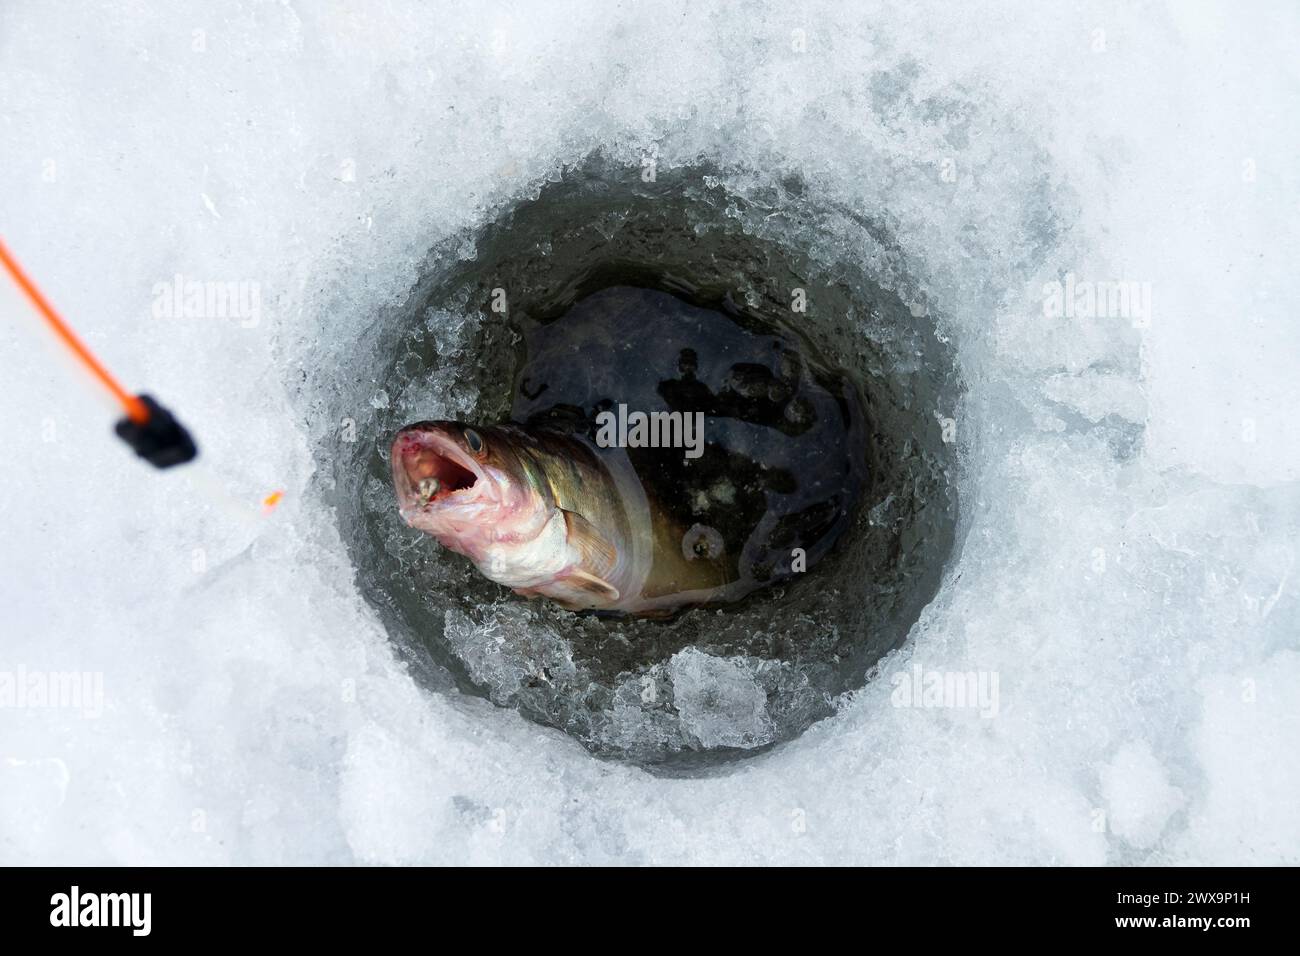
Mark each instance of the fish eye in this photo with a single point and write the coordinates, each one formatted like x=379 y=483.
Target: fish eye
x=474 y=440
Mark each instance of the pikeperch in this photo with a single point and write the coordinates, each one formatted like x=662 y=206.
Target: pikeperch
x=550 y=515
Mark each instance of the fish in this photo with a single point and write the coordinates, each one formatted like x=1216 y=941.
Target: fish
x=551 y=515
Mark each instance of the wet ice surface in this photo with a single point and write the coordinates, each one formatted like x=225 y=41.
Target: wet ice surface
x=1129 y=493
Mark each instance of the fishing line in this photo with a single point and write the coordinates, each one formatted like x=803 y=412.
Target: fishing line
x=136 y=410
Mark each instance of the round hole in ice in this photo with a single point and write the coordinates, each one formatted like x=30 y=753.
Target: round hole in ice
x=711 y=683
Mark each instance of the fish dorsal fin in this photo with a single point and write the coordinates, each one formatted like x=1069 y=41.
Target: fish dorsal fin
x=596 y=555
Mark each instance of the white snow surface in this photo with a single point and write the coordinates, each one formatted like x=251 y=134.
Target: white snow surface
x=1142 y=614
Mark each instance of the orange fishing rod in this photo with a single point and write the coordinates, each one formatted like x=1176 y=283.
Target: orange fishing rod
x=148 y=427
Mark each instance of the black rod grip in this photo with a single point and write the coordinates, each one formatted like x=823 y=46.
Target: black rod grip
x=161 y=440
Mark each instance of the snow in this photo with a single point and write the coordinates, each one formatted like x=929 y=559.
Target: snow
x=1129 y=497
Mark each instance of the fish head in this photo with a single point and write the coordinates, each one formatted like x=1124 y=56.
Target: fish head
x=463 y=484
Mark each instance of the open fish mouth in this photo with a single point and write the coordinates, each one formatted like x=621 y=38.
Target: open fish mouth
x=430 y=469
x=441 y=479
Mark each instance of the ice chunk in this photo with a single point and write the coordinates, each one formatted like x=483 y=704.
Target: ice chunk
x=718 y=701
x=1138 y=795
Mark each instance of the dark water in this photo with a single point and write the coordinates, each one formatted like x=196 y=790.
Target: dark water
x=784 y=461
